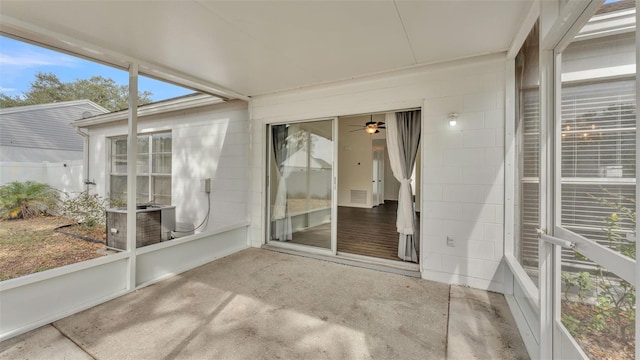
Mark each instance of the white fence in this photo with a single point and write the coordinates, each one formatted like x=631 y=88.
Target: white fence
x=64 y=176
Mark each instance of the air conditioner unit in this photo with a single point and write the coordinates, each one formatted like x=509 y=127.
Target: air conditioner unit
x=154 y=223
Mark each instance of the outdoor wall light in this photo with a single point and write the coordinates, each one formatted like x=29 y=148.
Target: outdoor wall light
x=453 y=119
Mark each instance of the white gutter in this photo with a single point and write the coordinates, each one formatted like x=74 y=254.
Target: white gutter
x=151 y=109
x=85 y=157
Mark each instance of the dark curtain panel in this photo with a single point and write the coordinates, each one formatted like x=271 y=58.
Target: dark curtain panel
x=280 y=133
x=409 y=133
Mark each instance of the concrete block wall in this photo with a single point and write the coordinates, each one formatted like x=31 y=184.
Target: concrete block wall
x=462 y=167
x=207 y=142
x=463 y=182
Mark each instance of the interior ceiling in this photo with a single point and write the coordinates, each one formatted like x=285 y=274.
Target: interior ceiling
x=257 y=47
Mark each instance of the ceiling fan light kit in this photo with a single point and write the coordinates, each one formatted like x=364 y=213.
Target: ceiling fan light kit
x=371 y=127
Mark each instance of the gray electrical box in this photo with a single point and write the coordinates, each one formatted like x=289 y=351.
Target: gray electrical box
x=205 y=185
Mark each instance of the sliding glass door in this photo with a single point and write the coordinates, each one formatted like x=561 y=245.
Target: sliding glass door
x=301 y=184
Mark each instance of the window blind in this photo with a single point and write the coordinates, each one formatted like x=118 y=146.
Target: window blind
x=598 y=137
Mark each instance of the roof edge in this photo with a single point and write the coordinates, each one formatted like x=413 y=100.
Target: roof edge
x=16 y=109
x=179 y=103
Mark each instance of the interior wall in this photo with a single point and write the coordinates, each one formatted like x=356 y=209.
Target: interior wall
x=355 y=161
x=463 y=179
x=207 y=142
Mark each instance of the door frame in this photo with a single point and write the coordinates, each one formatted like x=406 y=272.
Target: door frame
x=416 y=104
x=334 y=203
x=555 y=339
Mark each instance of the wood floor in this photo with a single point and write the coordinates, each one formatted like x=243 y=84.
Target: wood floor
x=361 y=231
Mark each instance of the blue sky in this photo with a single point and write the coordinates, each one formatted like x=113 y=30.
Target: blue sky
x=19 y=62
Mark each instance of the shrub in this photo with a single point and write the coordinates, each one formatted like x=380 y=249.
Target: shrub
x=87 y=209
x=22 y=200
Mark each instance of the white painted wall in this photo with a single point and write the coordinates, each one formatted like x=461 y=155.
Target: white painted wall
x=64 y=176
x=463 y=180
x=355 y=160
x=603 y=57
x=207 y=142
x=24 y=154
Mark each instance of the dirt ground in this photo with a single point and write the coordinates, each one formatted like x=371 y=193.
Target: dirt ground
x=31 y=245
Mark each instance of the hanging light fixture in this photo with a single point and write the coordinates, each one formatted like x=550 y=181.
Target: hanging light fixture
x=370 y=127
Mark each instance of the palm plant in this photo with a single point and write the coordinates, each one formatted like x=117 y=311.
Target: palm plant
x=26 y=199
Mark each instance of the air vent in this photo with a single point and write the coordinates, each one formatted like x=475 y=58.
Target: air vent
x=358 y=196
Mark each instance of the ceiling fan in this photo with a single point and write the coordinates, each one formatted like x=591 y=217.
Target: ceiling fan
x=370 y=127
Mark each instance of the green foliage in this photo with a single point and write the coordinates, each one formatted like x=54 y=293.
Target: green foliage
x=87 y=209
x=22 y=200
x=47 y=88
x=581 y=281
x=613 y=311
x=571 y=323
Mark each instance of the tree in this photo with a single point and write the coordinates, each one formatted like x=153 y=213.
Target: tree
x=47 y=88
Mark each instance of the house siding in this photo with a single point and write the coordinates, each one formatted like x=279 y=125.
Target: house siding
x=462 y=167
x=43 y=132
x=207 y=142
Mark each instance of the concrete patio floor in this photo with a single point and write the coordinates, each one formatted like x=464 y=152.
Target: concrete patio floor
x=259 y=304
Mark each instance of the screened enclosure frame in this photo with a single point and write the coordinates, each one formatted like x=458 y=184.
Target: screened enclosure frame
x=537 y=308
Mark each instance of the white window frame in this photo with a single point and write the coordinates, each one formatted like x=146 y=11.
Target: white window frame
x=149 y=173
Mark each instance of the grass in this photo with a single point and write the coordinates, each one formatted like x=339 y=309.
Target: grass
x=31 y=245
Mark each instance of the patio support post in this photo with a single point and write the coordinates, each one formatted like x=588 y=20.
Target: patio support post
x=132 y=155
x=637 y=234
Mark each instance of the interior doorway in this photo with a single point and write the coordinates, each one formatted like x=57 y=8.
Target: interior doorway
x=367 y=191
x=333 y=187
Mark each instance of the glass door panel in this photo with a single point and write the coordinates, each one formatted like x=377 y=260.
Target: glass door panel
x=301 y=179
x=596 y=186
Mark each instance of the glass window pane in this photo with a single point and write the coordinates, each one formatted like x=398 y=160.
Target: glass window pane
x=118 y=190
x=162 y=143
x=161 y=164
x=528 y=150
x=143 y=164
x=301 y=168
x=162 y=189
x=598 y=130
x=119 y=164
x=143 y=144
x=119 y=146
x=142 y=194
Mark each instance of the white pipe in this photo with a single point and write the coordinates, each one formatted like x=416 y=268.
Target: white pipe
x=85 y=156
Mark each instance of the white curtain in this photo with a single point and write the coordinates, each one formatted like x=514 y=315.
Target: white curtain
x=400 y=144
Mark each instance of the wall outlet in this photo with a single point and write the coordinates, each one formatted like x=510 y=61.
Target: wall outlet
x=205 y=185
x=450 y=241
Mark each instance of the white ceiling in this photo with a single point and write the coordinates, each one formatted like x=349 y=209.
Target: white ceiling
x=257 y=47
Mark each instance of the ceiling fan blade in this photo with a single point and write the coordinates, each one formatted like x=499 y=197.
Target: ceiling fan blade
x=379 y=123
x=377 y=131
x=381 y=127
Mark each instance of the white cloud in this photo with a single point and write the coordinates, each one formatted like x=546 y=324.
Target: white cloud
x=32 y=59
x=6 y=90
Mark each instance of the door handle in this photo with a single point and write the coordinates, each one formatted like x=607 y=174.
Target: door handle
x=555 y=241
